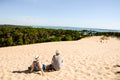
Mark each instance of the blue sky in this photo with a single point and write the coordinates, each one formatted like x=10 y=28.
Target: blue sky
x=73 y=13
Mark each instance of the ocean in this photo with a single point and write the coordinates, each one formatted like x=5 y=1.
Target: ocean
x=77 y=28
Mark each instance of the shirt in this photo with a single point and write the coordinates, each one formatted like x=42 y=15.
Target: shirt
x=57 y=62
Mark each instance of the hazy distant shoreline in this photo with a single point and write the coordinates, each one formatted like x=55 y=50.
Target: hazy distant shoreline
x=68 y=28
x=78 y=28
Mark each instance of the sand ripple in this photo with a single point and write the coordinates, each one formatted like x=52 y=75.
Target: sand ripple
x=86 y=59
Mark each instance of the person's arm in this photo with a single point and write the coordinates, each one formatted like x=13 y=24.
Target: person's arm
x=53 y=59
x=32 y=67
x=62 y=59
x=42 y=72
x=40 y=67
x=52 y=62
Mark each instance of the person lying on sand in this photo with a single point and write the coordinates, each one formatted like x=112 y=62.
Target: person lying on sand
x=37 y=65
x=57 y=62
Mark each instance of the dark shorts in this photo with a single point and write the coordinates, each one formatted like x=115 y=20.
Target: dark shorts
x=51 y=67
x=36 y=68
x=43 y=66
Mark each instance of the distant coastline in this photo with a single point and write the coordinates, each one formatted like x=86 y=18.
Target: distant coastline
x=68 y=28
x=78 y=28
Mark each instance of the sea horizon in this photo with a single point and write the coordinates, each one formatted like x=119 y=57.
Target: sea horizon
x=78 y=28
x=68 y=28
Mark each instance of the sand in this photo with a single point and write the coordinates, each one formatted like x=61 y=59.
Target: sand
x=85 y=59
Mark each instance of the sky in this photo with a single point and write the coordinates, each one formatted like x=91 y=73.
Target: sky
x=103 y=14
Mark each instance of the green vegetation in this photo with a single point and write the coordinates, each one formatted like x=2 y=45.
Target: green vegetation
x=11 y=35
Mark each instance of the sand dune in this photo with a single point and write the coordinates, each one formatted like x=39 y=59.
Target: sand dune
x=85 y=59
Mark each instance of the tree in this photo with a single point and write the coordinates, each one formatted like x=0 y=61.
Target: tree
x=67 y=38
x=9 y=41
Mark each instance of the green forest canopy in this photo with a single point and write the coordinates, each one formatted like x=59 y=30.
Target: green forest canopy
x=12 y=35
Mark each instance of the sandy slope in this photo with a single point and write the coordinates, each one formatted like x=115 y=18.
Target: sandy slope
x=86 y=59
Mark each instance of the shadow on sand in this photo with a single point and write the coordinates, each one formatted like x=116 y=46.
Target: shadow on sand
x=48 y=69
x=118 y=72
x=24 y=71
x=28 y=72
x=116 y=66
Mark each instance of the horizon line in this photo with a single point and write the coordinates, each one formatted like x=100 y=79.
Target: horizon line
x=62 y=26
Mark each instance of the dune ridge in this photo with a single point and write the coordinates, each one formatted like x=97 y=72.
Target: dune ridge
x=85 y=59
